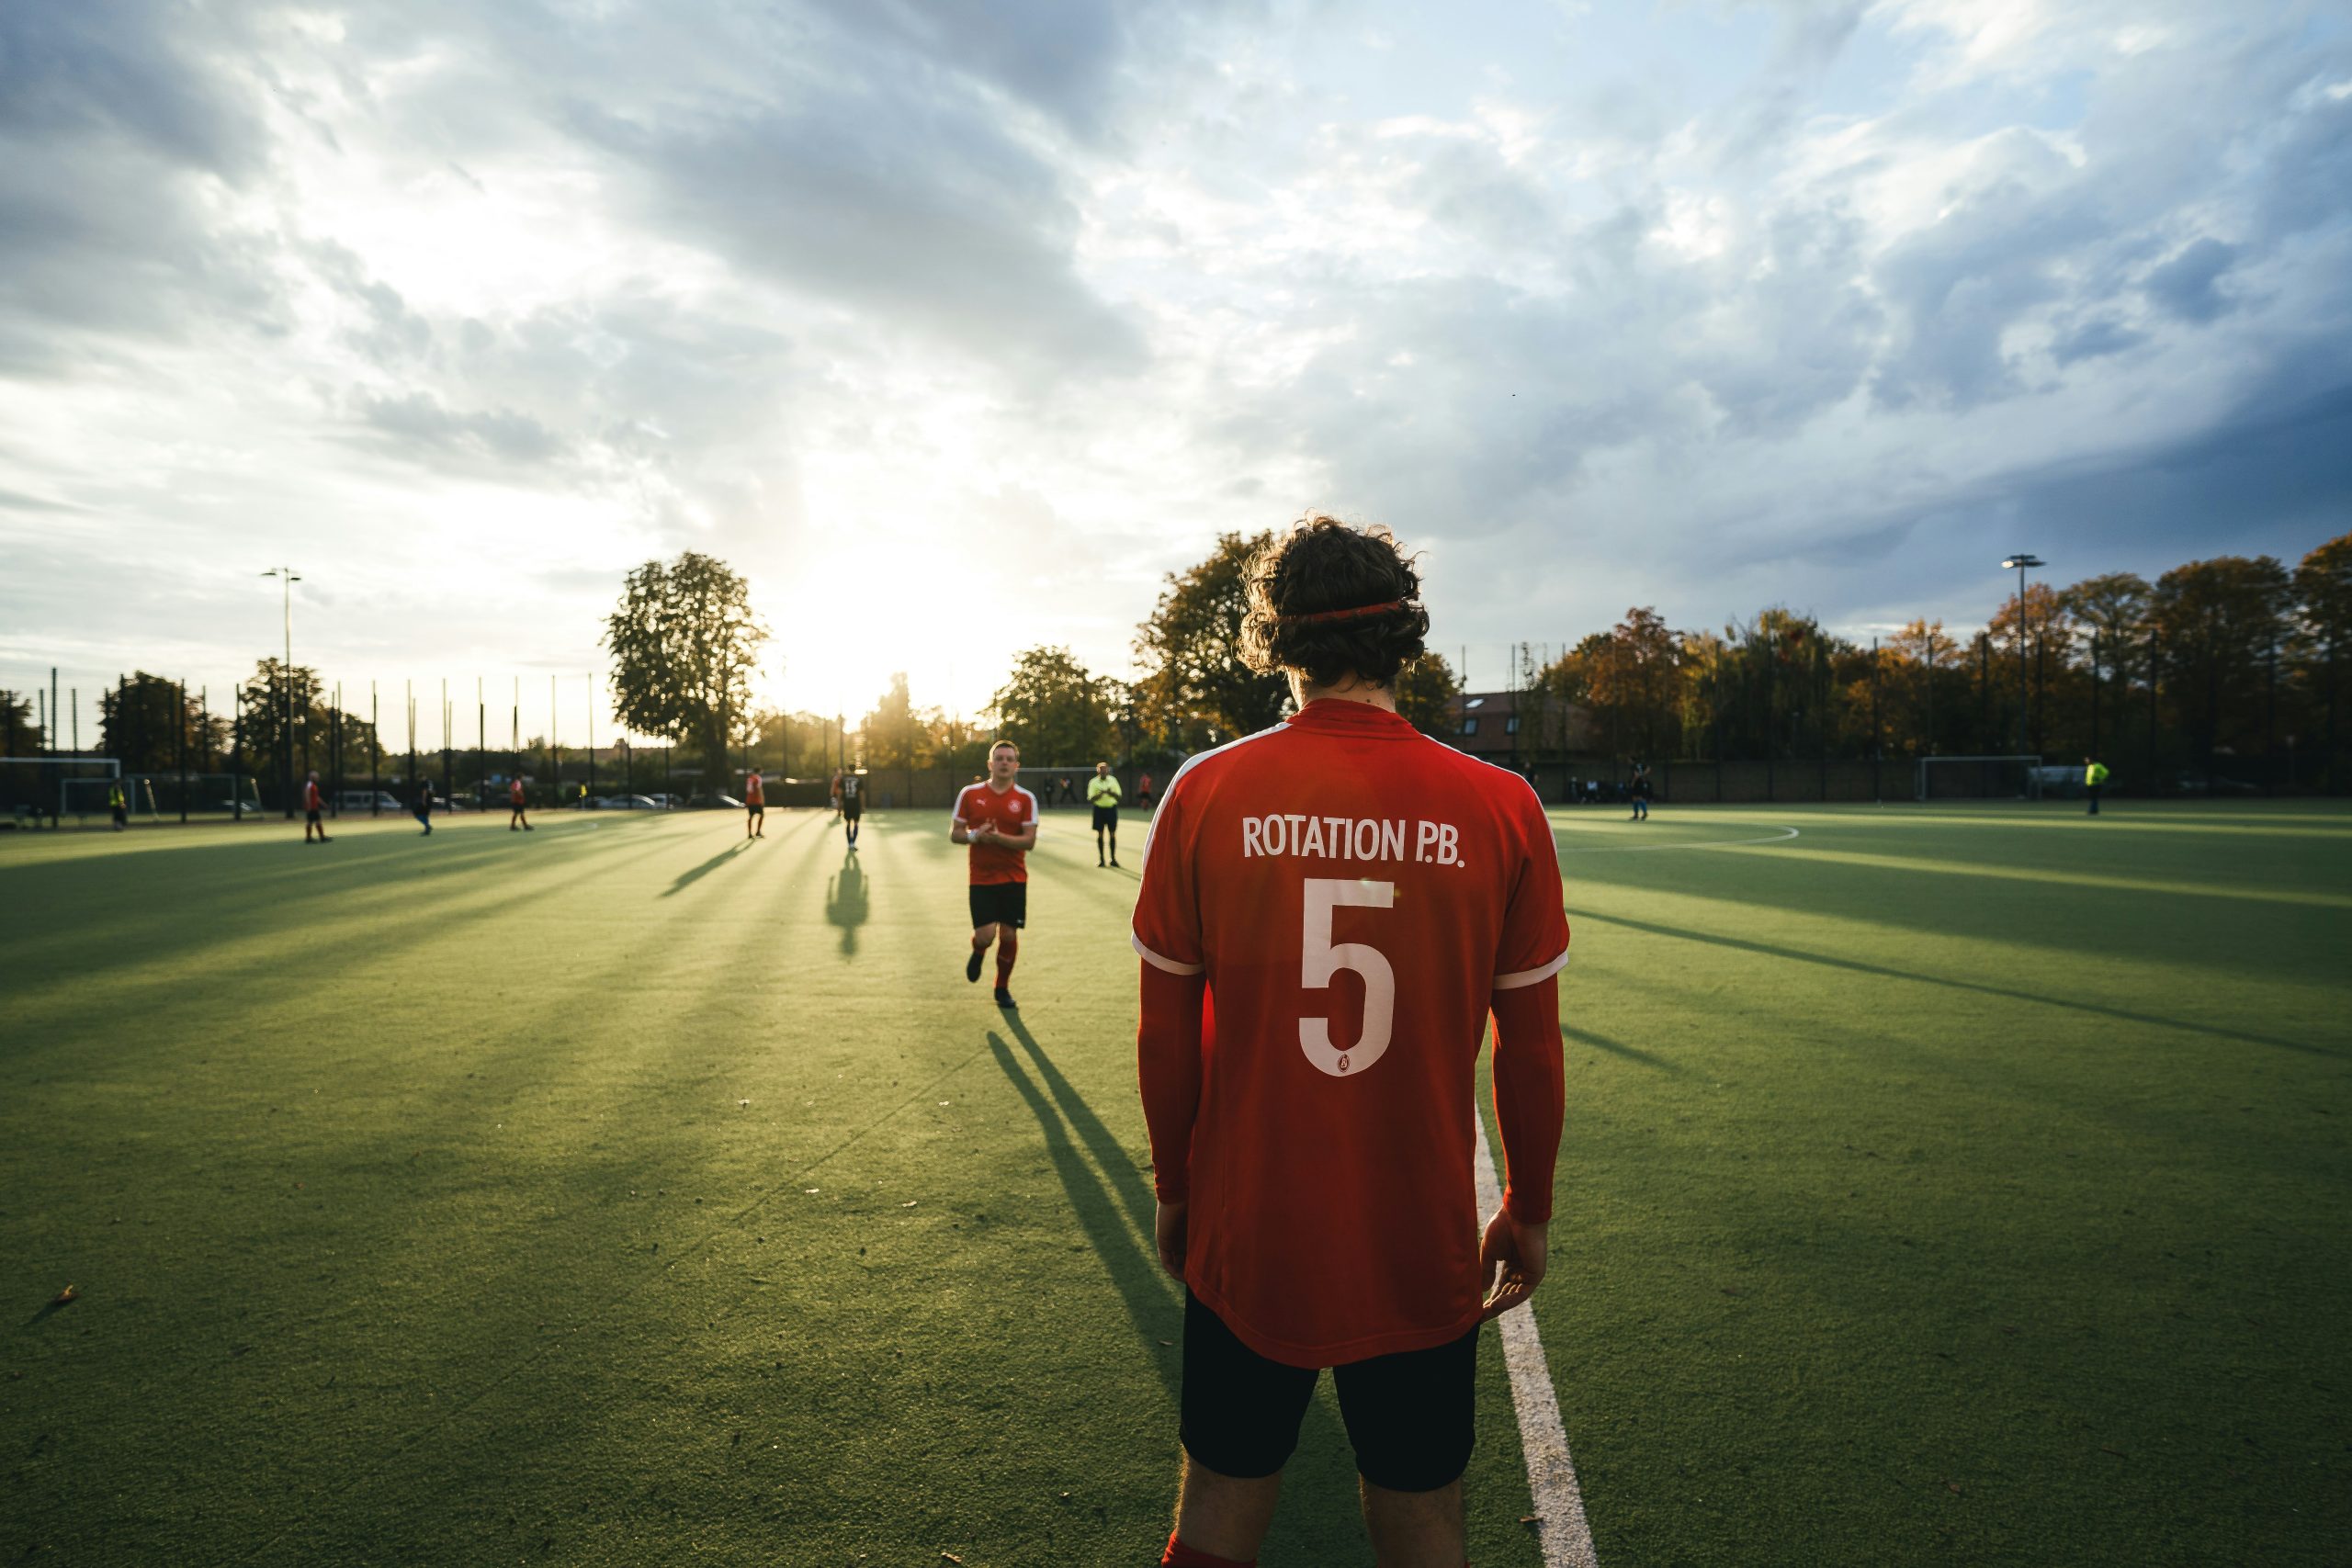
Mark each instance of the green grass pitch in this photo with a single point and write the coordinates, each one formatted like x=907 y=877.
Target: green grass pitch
x=1942 y=1186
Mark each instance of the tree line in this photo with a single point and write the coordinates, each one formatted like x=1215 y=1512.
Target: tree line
x=2228 y=666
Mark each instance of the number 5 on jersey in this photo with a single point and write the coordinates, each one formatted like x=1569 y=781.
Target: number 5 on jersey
x=1320 y=959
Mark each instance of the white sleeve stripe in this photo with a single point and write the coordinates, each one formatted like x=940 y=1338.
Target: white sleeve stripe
x=1513 y=982
x=1157 y=961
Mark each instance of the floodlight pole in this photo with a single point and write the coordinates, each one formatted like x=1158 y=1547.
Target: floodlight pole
x=287 y=577
x=2021 y=561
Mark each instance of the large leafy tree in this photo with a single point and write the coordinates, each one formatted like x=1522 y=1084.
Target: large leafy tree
x=684 y=642
x=148 y=725
x=1195 y=687
x=2218 y=626
x=895 y=735
x=2323 y=630
x=1059 y=713
x=19 y=729
x=1424 y=687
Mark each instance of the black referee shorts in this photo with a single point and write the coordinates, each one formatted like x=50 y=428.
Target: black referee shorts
x=1000 y=904
x=1411 y=1416
x=1106 y=817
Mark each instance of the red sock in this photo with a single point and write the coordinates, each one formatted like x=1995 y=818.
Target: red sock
x=1179 y=1555
x=1004 y=957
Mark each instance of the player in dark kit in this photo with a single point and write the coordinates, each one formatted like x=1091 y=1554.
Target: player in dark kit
x=1641 y=791
x=1312 y=1149
x=423 y=806
x=852 y=806
x=999 y=819
x=515 y=803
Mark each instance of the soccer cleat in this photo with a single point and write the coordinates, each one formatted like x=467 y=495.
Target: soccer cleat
x=972 y=966
x=1004 y=999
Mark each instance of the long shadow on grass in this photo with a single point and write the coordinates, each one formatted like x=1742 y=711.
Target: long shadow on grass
x=1115 y=1161
x=1150 y=1302
x=1618 y=1048
x=2008 y=993
x=688 y=878
x=1318 y=1507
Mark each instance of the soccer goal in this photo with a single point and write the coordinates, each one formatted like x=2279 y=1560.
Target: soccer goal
x=2016 y=777
x=35 y=787
x=152 y=797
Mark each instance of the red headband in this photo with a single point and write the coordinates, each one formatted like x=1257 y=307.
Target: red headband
x=1356 y=613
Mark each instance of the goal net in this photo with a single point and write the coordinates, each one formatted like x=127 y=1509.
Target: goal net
x=2014 y=777
x=152 y=797
x=38 y=788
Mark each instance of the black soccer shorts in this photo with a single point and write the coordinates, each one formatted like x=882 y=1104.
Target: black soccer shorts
x=1000 y=904
x=1106 y=817
x=1412 y=1416
x=853 y=808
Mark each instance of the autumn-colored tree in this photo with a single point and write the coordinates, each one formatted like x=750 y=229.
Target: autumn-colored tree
x=1423 y=689
x=1195 y=688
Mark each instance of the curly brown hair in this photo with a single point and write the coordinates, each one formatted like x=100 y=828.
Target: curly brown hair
x=1320 y=566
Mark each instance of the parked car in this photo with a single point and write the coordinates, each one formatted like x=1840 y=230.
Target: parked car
x=718 y=797
x=367 y=800
x=2213 y=784
x=666 y=802
x=624 y=803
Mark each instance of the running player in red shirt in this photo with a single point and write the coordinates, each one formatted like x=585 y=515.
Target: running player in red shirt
x=999 y=819
x=1331 y=910
x=514 y=817
x=315 y=807
x=755 y=807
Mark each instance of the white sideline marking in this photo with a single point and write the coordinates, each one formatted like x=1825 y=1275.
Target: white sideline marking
x=1782 y=837
x=1551 y=1475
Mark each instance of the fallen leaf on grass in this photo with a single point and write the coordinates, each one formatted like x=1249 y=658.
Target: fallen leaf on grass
x=70 y=1293
x=949 y=1557
x=910 y=1202
x=1530 y=1518
x=1953 y=1487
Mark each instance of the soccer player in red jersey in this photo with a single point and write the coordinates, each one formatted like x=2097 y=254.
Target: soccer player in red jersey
x=999 y=819
x=755 y=805
x=1331 y=910
x=314 y=808
x=515 y=803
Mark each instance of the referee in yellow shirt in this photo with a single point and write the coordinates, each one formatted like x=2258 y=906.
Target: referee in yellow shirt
x=1103 y=793
x=2093 y=781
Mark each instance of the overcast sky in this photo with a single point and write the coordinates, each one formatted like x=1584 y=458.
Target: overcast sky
x=956 y=325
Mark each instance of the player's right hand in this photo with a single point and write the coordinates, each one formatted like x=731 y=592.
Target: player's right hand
x=1512 y=1259
x=1168 y=1233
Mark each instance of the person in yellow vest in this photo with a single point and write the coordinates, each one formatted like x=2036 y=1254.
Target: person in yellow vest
x=1103 y=793
x=118 y=806
x=2093 y=781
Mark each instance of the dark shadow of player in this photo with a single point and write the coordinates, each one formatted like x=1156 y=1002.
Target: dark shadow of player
x=845 y=902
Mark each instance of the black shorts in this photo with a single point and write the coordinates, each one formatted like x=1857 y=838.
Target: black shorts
x=1411 y=1416
x=754 y=809
x=1000 y=904
x=310 y=814
x=1105 y=817
x=852 y=809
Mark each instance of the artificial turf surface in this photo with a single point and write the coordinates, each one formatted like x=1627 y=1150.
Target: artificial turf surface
x=1942 y=1186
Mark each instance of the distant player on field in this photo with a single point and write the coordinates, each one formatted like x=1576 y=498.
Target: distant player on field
x=1312 y=1146
x=1641 y=791
x=514 y=805
x=118 y=809
x=2094 y=781
x=999 y=819
x=852 y=805
x=313 y=811
x=1143 y=791
x=837 y=794
x=755 y=805
x=1103 y=793
x=422 y=806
